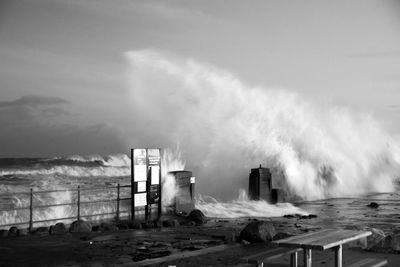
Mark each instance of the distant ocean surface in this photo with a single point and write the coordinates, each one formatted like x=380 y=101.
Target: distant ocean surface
x=21 y=174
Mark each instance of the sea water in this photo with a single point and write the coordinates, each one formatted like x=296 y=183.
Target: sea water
x=43 y=174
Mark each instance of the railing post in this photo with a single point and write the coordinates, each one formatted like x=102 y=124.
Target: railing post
x=31 y=211
x=79 y=203
x=118 y=188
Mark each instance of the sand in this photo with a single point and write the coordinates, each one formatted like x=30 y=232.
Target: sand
x=118 y=248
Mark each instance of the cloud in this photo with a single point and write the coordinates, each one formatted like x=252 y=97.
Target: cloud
x=33 y=100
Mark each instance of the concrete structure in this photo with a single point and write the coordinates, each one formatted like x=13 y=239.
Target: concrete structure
x=184 y=200
x=260 y=186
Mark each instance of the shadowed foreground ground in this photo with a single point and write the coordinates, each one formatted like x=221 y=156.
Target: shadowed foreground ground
x=128 y=247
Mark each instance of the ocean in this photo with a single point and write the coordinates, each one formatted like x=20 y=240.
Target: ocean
x=18 y=175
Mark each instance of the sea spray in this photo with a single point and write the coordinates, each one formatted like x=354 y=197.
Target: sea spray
x=171 y=161
x=243 y=207
x=226 y=127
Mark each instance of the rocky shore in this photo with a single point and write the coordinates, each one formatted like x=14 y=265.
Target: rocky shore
x=128 y=243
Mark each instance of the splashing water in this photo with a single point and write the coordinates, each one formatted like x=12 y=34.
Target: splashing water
x=170 y=161
x=228 y=127
x=243 y=207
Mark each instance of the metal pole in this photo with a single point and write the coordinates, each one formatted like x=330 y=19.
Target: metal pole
x=132 y=185
x=146 y=211
x=79 y=203
x=31 y=211
x=159 y=187
x=118 y=202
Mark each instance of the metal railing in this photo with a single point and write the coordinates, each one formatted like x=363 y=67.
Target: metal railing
x=78 y=204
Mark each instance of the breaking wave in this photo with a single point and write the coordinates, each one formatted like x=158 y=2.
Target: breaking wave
x=315 y=150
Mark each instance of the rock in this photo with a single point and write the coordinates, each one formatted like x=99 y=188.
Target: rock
x=281 y=235
x=96 y=228
x=122 y=226
x=256 y=232
x=373 y=242
x=22 y=232
x=3 y=233
x=197 y=216
x=395 y=241
x=41 y=231
x=13 y=231
x=80 y=227
x=373 y=205
x=158 y=224
x=147 y=225
x=107 y=227
x=58 y=229
x=171 y=223
x=188 y=223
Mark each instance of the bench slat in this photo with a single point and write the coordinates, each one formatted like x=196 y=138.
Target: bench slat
x=369 y=262
x=269 y=254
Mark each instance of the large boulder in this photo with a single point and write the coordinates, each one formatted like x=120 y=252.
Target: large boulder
x=41 y=231
x=197 y=216
x=255 y=232
x=378 y=241
x=80 y=226
x=395 y=241
x=58 y=229
x=13 y=231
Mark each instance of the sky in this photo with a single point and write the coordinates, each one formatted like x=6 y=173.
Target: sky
x=64 y=85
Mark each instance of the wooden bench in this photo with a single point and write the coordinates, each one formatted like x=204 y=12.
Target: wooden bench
x=259 y=258
x=369 y=262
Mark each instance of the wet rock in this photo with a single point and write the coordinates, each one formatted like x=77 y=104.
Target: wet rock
x=395 y=241
x=122 y=226
x=158 y=224
x=3 y=233
x=13 y=231
x=148 y=225
x=22 y=232
x=255 y=232
x=80 y=227
x=41 y=231
x=58 y=229
x=96 y=228
x=372 y=242
x=170 y=223
x=107 y=227
x=373 y=205
x=281 y=235
x=197 y=216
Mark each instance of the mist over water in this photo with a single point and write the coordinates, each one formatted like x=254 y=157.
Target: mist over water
x=226 y=127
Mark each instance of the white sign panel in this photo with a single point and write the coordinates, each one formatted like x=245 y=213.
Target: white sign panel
x=192 y=180
x=140 y=167
x=155 y=174
x=141 y=186
x=140 y=199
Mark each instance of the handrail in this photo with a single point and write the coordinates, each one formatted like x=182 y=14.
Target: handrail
x=79 y=203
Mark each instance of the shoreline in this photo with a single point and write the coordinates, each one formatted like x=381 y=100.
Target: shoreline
x=127 y=247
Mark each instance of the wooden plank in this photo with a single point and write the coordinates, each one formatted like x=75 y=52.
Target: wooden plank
x=297 y=238
x=370 y=262
x=305 y=239
x=181 y=255
x=322 y=240
x=342 y=238
x=269 y=254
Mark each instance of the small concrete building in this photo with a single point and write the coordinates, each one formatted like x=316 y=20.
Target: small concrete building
x=260 y=184
x=184 y=200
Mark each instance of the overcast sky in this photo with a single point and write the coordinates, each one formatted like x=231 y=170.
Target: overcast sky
x=63 y=85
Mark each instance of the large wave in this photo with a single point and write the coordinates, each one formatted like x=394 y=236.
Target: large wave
x=226 y=127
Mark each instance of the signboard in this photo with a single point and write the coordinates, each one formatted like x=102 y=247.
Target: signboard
x=141 y=186
x=192 y=180
x=154 y=157
x=140 y=199
x=140 y=166
x=155 y=174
